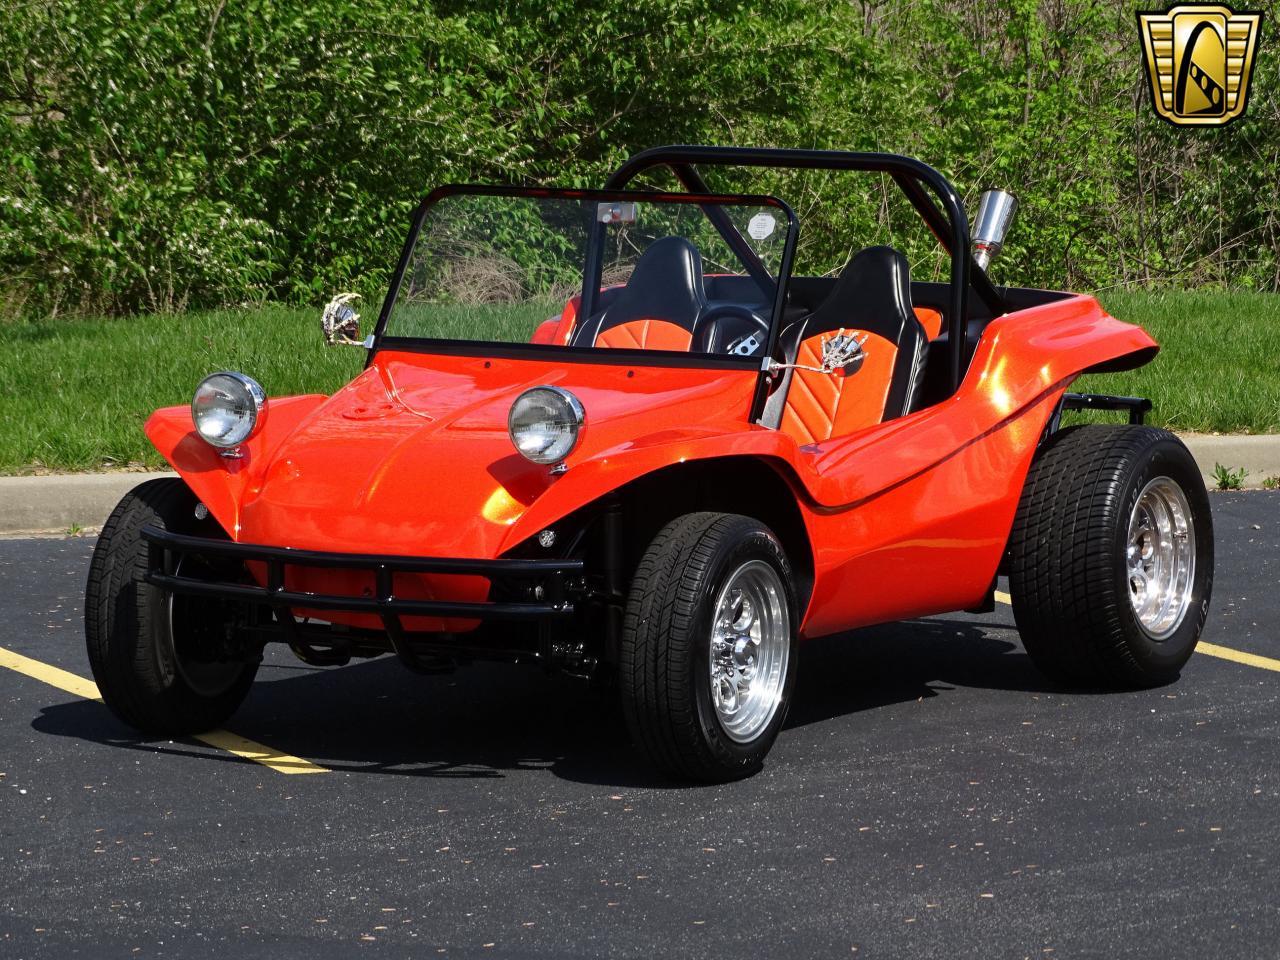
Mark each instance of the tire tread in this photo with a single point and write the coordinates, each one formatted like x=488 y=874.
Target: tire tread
x=118 y=617
x=1062 y=550
x=657 y=687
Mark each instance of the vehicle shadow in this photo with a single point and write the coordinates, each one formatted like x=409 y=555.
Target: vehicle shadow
x=909 y=660
x=490 y=720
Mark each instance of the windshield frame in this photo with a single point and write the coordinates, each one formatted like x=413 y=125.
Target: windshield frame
x=381 y=340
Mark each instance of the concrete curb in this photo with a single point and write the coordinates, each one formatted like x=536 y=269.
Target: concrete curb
x=1258 y=455
x=61 y=502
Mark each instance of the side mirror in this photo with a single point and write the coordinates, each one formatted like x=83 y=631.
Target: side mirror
x=991 y=225
x=340 y=322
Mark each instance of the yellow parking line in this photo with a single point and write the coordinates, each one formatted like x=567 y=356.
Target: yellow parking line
x=221 y=739
x=1210 y=649
x=46 y=673
x=258 y=753
x=1238 y=656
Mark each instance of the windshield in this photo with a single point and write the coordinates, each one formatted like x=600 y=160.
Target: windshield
x=597 y=270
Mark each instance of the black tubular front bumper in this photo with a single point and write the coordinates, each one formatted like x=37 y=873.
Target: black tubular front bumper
x=539 y=592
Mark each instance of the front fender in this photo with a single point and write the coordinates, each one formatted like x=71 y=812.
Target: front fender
x=222 y=483
x=611 y=469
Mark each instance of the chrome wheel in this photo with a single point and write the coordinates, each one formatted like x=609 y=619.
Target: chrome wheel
x=750 y=648
x=1161 y=557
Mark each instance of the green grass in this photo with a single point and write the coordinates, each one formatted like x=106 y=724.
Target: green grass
x=1218 y=369
x=506 y=322
x=74 y=393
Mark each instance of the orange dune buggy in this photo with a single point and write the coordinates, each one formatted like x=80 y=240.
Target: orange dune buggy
x=611 y=433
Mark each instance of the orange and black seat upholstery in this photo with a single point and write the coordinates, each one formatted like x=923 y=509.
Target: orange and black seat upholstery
x=931 y=320
x=660 y=305
x=872 y=296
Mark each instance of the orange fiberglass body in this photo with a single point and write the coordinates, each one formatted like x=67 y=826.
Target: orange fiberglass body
x=903 y=518
x=881 y=429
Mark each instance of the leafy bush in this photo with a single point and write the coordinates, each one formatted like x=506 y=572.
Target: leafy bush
x=195 y=153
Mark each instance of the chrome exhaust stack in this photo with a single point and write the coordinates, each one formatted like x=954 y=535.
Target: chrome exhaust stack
x=991 y=225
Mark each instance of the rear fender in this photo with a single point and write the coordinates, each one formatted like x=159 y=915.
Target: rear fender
x=1024 y=354
x=1022 y=360
x=222 y=483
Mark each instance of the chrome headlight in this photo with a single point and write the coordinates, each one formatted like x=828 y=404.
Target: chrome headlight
x=228 y=408
x=546 y=423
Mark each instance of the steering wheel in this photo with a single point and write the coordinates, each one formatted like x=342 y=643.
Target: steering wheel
x=735 y=328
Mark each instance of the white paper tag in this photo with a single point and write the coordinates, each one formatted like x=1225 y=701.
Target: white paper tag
x=761 y=226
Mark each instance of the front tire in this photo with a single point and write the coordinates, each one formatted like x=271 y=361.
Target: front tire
x=708 y=647
x=139 y=640
x=1111 y=557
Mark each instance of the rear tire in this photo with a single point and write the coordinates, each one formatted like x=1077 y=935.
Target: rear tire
x=708 y=647
x=1111 y=520
x=128 y=625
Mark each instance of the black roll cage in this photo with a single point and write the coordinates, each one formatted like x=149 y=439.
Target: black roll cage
x=929 y=192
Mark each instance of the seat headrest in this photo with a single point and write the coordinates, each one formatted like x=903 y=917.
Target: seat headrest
x=666 y=284
x=873 y=292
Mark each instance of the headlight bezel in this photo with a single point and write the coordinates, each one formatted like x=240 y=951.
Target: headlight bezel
x=555 y=453
x=256 y=405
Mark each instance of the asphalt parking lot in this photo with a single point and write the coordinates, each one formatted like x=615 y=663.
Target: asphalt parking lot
x=932 y=796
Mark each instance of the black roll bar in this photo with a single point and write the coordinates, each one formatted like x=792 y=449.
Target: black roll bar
x=947 y=222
